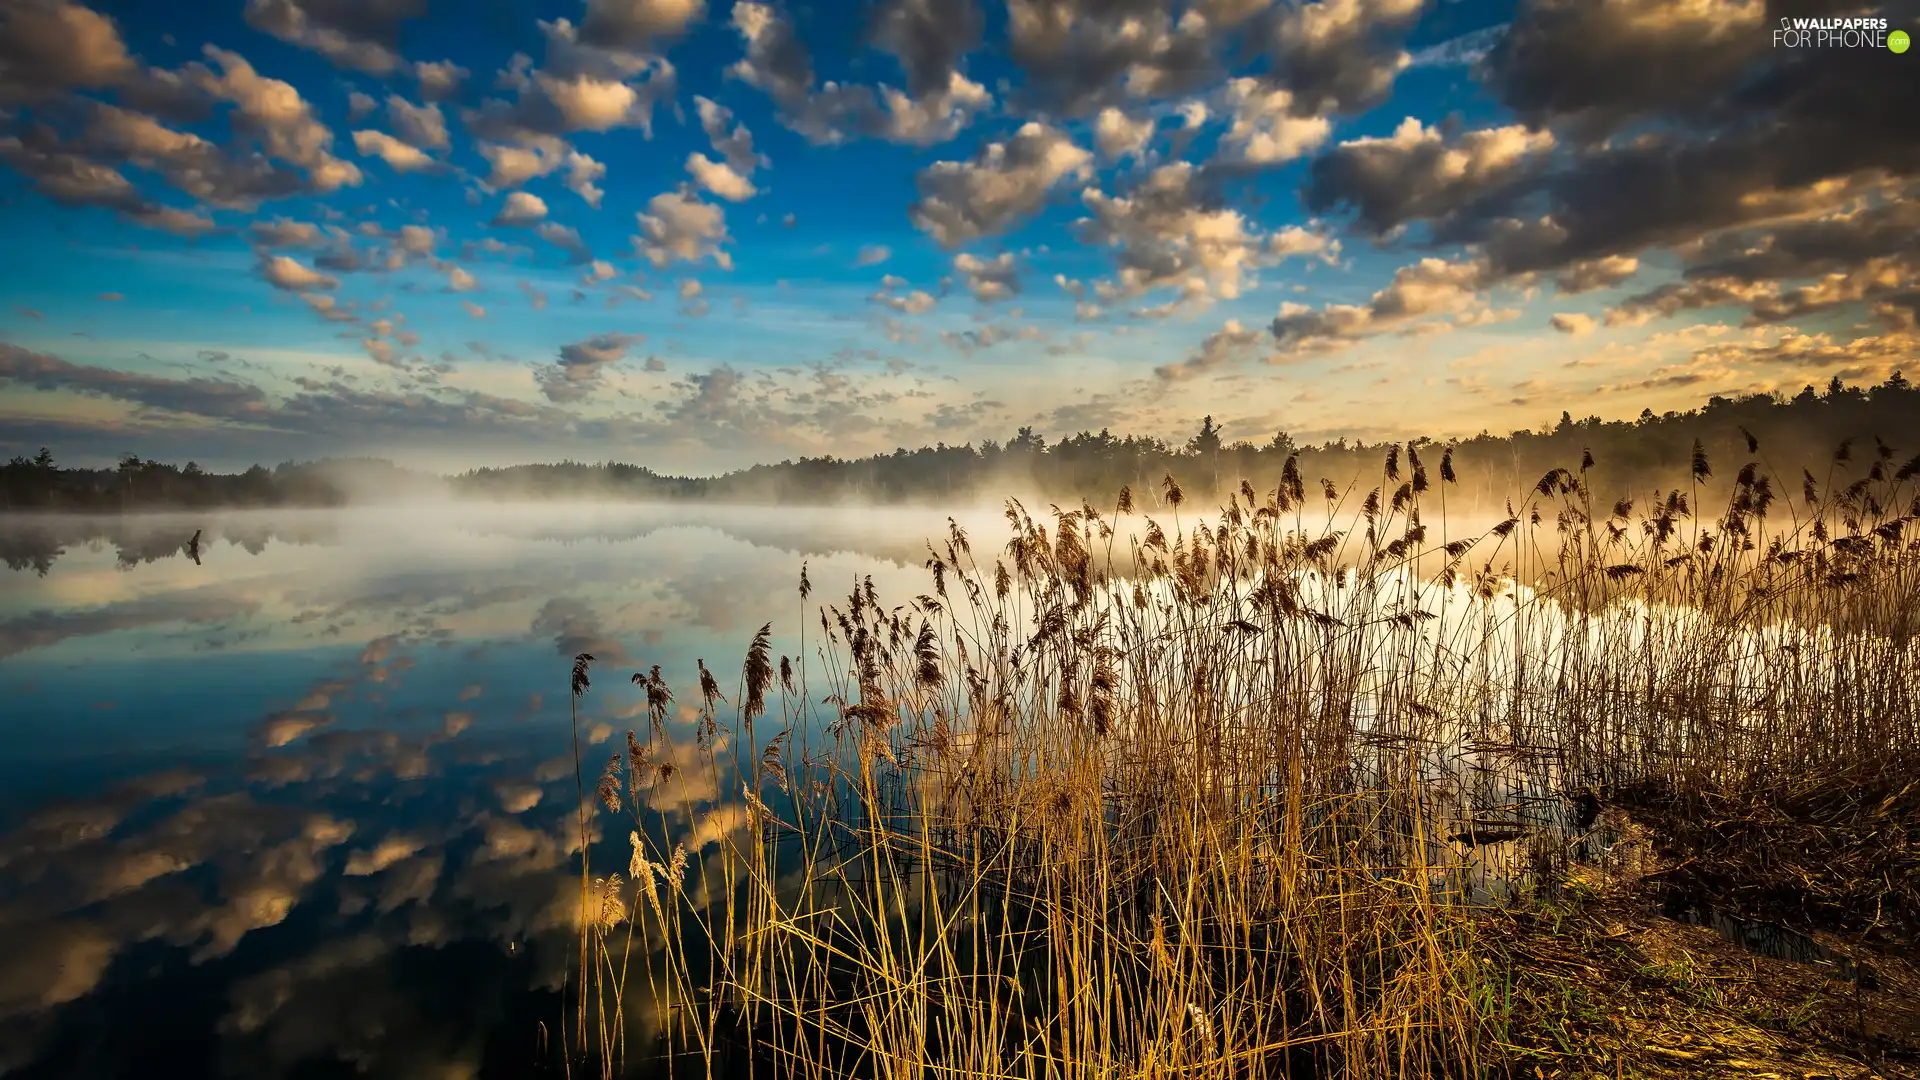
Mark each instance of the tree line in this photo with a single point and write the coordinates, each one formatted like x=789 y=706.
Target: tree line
x=137 y=483
x=1631 y=456
x=1652 y=450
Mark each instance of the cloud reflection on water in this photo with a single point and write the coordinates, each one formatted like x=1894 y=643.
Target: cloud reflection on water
x=349 y=774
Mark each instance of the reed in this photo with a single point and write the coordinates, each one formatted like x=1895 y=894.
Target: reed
x=1163 y=796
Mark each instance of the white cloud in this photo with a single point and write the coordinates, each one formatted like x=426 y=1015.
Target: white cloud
x=283 y=272
x=1166 y=235
x=511 y=165
x=275 y=113
x=1266 y=129
x=580 y=86
x=1118 y=135
x=424 y=126
x=415 y=239
x=1428 y=287
x=1591 y=274
x=734 y=144
x=720 y=179
x=566 y=238
x=589 y=104
x=54 y=46
x=941 y=104
x=521 y=208
x=399 y=156
x=577 y=373
x=583 y=176
x=1216 y=351
x=678 y=225
x=989 y=280
x=359 y=37
x=284 y=232
x=1419 y=172
x=1005 y=183
x=439 y=79
x=636 y=24
x=382 y=352
x=914 y=303
x=329 y=308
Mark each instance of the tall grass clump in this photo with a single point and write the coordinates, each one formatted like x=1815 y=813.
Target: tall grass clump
x=1162 y=796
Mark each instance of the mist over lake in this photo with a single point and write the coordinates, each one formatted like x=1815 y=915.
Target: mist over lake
x=312 y=792
x=959 y=540
x=346 y=791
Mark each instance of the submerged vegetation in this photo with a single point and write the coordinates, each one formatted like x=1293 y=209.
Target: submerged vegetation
x=1319 y=785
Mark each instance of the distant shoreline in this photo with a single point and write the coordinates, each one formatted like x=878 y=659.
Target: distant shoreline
x=1629 y=457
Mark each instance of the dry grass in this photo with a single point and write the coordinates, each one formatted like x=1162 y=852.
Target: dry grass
x=1235 y=797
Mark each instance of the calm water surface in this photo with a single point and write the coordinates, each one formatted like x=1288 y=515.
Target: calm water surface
x=301 y=808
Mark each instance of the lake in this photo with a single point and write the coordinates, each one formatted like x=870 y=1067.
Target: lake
x=303 y=806
x=294 y=793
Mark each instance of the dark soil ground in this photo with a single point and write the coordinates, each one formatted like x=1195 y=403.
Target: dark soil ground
x=1762 y=933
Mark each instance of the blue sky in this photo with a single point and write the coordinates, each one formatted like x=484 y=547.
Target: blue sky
x=699 y=235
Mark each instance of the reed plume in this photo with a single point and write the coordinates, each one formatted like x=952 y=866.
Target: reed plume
x=1231 y=797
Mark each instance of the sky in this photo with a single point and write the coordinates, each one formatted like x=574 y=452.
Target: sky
x=700 y=234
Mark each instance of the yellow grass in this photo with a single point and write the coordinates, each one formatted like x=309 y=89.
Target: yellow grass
x=1219 y=798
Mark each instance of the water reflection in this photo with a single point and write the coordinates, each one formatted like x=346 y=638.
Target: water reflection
x=34 y=543
x=278 y=916
x=1764 y=938
x=300 y=805
x=307 y=801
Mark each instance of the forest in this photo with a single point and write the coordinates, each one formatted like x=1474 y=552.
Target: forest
x=1651 y=451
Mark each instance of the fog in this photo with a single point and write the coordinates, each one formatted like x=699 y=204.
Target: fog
x=286 y=763
x=293 y=789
